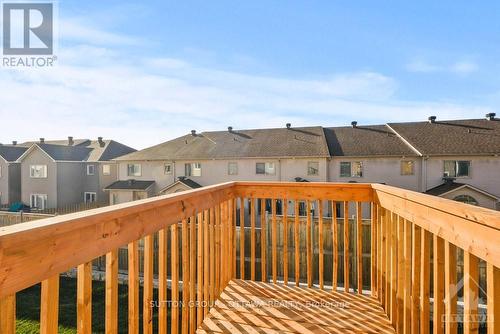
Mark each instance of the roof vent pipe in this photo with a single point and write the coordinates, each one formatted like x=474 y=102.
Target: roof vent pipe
x=42 y=140
x=432 y=119
x=14 y=142
x=354 y=124
x=491 y=116
x=288 y=125
x=230 y=128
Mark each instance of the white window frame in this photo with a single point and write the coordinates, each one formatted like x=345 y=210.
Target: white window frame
x=403 y=169
x=192 y=169
x=35 y=176
x=170 y=167
x=92 y=194
x=234 y=169
x=135 y=172
x=351 y=165
x=269 y=168
x=456 y=162
x=309 y=168
x=90 y=170
x=108 y=171
x=35 y=197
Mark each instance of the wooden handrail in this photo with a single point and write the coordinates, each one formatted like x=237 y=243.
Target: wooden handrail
x=209 y=246
x=471 y=228
x=54 y=245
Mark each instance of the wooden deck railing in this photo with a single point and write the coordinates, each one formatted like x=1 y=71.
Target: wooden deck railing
x=200 y=249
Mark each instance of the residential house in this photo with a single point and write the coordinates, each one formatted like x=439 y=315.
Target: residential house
x=200 y=159
x=56 y=174
x=415 y=155
x=463 y=151
x=10 y=173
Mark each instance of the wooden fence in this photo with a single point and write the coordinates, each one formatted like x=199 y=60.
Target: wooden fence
x=12 y=218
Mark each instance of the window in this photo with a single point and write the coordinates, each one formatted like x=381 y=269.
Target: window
x=266 y=168
x=232 y=168
x=193 y=169
x=466 y=199
x=38 y=171
x=453 y=168
x=38 y=201
x=351 y=169
x=90 y=169
x=167 y=169
x=89 y=197
x=302 y=209
x=134 y=170
x=407 y=167
x=106 y=169
x=312 y=168
x=0 y=171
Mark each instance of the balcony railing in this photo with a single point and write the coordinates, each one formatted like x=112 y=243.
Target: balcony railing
x=403 y=249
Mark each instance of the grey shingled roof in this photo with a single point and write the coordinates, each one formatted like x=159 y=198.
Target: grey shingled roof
x=11 y=152
x=459 y=137
x=90 y=151
x=76 y=142
x=444 y=188
x=450 y=185
x=359 y=141
x=108 y=150
x=294 y=142
x=130 y=185
x=190 y=183
x=66 y=153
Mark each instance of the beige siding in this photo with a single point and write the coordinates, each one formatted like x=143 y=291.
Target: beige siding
x=379 y=170
x=483 y=200
x=151 y=171
x=484 y=173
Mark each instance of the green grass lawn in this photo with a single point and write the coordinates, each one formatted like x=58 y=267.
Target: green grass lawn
x=28 y=308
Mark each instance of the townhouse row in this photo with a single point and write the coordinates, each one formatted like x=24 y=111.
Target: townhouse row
x=454 y=159
x=56 y=174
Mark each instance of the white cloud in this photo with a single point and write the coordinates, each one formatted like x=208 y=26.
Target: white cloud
x=95 y=90
x=78 y=30
x=459 y=67
x=464 y=67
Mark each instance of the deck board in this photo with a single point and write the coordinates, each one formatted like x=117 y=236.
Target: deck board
x=257 y=307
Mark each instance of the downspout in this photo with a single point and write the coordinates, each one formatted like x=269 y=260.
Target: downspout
x=279 y=163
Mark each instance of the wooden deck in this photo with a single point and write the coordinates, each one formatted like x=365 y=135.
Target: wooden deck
x=256 y=307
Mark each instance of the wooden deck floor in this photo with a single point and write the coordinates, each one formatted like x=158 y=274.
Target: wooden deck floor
x=256 y=307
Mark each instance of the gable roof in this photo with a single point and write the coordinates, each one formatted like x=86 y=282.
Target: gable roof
x=76 y=142
x=449 y=186
x=107 y=150
x=130 y=185
x=65 y=153
x=89 y=151
x=458 y=137
x=359 y=141
x=190 y=183
x=258 y=143
x=182 y=180
x=11 y=153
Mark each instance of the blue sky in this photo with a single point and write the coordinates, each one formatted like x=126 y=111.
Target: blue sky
x=145 y=72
